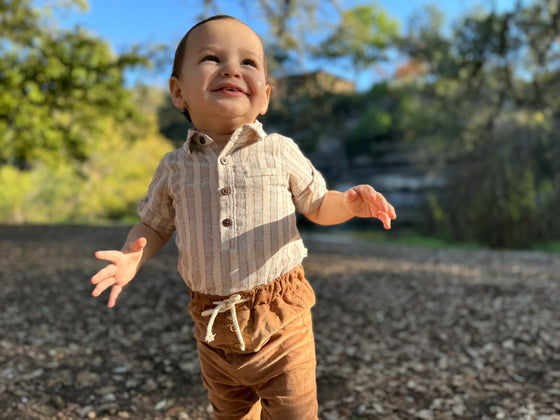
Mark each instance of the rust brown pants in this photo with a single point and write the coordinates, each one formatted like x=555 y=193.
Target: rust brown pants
x=274 y=378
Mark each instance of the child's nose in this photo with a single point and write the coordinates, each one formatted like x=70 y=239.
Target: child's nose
x=230 y=69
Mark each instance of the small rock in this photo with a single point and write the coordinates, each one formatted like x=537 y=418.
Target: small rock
x=425 y=415
x=361 y=409
x=121 y=369
x=109 y=389
x=160 y=405
x=85 y=378
x=85 y=411
x=508 y=344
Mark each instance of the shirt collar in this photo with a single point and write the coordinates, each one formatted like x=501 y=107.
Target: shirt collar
x=249 y=132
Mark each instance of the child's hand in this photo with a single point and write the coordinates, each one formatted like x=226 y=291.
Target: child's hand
x=124 y=266
x=364 y=201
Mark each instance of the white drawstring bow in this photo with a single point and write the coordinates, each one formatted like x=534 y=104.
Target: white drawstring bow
x=224 y=306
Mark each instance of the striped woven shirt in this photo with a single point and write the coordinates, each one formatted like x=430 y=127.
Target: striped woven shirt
x=233 y=209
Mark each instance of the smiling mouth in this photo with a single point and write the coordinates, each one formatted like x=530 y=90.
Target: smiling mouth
x=229 y=89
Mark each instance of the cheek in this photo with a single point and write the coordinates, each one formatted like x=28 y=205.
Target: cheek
x=193 y=90
x=260 y=87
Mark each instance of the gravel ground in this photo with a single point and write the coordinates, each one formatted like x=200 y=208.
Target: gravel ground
x=402 y=332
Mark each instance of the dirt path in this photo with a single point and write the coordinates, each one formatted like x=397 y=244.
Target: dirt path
x=402 y=333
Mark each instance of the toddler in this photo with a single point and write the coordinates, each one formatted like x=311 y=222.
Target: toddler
x=230 y=194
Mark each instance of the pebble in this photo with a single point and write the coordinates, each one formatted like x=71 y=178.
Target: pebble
x=160 y=405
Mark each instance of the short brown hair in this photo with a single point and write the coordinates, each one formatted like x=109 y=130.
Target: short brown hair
x=180 y=51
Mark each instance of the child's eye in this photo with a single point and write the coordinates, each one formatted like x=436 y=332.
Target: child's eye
x=211 y=58
x=249 y=62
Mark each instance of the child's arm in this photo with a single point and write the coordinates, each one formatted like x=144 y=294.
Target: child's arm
x=142 y=243
x=358 y=201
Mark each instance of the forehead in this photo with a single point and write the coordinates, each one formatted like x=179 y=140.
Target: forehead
x=221 y=32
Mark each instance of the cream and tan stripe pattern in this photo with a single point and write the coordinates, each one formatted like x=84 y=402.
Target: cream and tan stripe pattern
x=233 y=209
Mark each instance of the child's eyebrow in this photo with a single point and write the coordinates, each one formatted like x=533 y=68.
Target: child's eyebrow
x=217 y=48
x=253 y=55
x=205 y=49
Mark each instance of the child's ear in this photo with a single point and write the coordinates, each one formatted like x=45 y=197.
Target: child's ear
x=176 y=93
x=265 y=105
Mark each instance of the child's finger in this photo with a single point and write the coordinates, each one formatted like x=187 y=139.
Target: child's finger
x=104 y=273
x=382 y=203
x=384 y=217
x=138 y=245
x=115 y=292
x=392 y=212
x=372 y=204
x=351 y=194
x=108 y=255
x=102 y=286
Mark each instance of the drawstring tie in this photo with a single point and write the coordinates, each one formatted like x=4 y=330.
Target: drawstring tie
x=224 y=306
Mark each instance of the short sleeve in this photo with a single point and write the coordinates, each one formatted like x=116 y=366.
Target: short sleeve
x=306 y=183
x=156 y=208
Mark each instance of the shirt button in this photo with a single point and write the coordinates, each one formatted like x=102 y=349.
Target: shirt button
x=224 y=161
x=227 y=222
x=226 y=191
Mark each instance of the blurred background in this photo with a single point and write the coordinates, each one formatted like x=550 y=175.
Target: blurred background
x=450 y=110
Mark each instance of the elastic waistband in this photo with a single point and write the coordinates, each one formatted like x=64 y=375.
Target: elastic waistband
x=259 y=295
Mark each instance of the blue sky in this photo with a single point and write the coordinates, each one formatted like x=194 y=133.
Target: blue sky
x=126 y=22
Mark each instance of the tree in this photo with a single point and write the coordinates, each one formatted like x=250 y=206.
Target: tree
x=487 y=116
x=66 y=121
x=362 y=35
x=425 y=44
x=57 y=86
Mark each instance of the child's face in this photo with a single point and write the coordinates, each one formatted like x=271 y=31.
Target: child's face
x=223 y=83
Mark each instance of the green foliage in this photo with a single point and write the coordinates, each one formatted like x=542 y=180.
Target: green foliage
x=363 y=35
x=359 y=122
x=14 y=194
x=375 y=122
x=501 y=186
x=105 y=187
x=172 y=123
x=66 y=121
x=492 y=130
x=425 y=42
x=57 y=86
x=303 y=118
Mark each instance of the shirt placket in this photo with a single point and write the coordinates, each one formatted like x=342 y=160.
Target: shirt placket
x=227 y=201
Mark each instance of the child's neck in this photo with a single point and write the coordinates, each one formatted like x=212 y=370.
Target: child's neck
x=220 y=139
